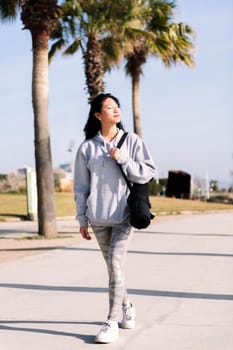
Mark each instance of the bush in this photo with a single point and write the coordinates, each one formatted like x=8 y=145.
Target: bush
x=157 y=189
x=13 y=182
x=221 y=199
x=3 y=177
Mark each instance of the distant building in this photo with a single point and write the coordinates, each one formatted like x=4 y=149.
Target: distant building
x=21 y=171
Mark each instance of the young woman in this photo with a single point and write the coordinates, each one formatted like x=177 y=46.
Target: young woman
x=101 y=199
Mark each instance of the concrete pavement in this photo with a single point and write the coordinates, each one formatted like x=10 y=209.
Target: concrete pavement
x=179 y=275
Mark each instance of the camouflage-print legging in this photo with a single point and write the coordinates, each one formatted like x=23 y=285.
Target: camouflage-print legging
x=113 y=242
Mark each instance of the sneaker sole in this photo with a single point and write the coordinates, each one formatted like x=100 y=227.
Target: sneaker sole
x=128 y=325
x=104 y=341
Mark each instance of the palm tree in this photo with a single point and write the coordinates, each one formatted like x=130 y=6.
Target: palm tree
x=82 y=26
x=40 y=17
x=94 y=27
x=160 y=37
x=136 y=29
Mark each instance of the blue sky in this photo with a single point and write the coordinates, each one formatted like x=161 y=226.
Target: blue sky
x=187 y=116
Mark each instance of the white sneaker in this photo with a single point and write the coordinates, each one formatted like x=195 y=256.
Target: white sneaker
x=129 y=317
x=108 y=333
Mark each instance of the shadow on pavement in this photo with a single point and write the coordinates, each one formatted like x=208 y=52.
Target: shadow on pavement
x=145 y=292
x=85 y=337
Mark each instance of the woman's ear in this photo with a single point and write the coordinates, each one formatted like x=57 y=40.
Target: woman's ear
x=97 y=115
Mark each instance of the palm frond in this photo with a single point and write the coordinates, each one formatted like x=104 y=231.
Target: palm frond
x=71 y=49
x=57 y=46
x=112 y=53
x=9 y=9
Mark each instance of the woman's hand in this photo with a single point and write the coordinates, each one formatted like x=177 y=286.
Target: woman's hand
x=84 y=232
x=114 y=153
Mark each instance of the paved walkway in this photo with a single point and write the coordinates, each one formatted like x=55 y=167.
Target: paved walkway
x=180 y=277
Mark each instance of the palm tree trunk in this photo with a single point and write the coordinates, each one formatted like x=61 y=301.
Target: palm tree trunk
x=94 y=67
x=135 y=104
x=44 y=170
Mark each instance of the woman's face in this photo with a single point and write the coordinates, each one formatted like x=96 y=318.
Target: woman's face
x=110 y=112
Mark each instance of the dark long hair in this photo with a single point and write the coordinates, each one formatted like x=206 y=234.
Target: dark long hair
x=93 y=125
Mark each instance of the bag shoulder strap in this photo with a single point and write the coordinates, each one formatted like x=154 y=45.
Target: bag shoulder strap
x=122 y=139
x=120 y=143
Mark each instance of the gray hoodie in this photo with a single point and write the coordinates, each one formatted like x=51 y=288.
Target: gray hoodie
x=99 y=187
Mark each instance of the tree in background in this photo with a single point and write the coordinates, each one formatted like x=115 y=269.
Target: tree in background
x=160 y=37
x=213 y=185
x=107 y=31
x=40 y=18
x=97 y=29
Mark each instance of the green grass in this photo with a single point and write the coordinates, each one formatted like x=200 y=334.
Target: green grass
x=15 y=205
x=176 y=206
